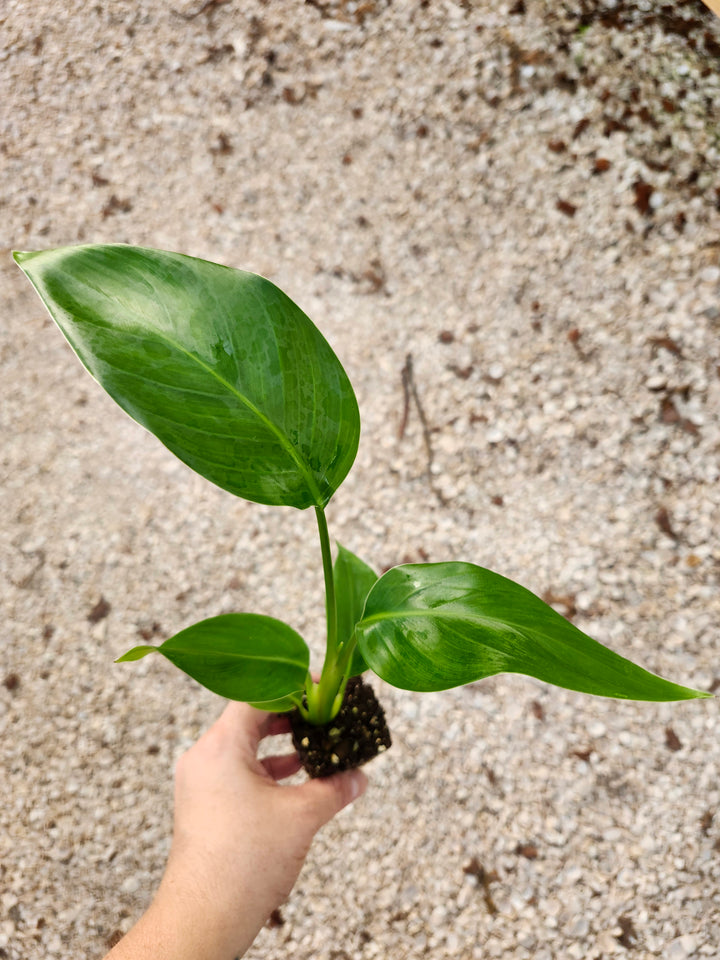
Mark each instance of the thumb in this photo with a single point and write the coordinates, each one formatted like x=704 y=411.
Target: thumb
x=325 y=796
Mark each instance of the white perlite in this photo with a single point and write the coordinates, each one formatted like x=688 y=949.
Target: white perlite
x=527 y=203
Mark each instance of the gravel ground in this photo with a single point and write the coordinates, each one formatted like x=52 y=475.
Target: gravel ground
x=525 y=199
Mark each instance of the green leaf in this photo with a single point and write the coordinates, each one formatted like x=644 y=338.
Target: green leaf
x=281 y=705
x=241 y=656
x=440 y=625
x=353 y=580
x=219 y=364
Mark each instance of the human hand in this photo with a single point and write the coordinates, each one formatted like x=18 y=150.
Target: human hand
x=239 y=838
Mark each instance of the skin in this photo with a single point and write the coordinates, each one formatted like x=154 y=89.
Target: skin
x=239 y=842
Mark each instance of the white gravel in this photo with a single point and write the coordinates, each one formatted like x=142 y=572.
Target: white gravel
x=528 y=204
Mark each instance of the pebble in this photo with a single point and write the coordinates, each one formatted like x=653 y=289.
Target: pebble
x=710 y=275
x=130 y=885
x=682 y=947
x=579 y=928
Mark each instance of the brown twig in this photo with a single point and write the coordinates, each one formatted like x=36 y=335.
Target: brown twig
x=410 y=393
x=208 y=5
x=484 y=879
x=406 y=376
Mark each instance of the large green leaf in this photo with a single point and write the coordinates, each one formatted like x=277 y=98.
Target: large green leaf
x=440 y=625
x=241 y=656
x=353 y=580
x=219 y=364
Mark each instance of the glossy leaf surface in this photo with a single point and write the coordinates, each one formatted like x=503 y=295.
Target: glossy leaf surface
x=435 y=626
x=353 y=580
x=241 y=656
x=219 y=364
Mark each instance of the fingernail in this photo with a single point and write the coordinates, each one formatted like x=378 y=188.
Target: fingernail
x=354 y=785
x=357 y=782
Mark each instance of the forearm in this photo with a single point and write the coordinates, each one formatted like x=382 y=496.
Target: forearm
x=178 y=926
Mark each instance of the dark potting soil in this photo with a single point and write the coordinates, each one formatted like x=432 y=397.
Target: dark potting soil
x=358 y=733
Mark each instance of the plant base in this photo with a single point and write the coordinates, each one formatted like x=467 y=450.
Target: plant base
x=358 y=733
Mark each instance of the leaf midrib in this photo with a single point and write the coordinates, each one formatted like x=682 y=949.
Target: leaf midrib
x=274 y=428
x=231 y=655
x=431 y=613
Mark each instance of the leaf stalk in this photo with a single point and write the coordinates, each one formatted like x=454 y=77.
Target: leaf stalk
x=322 y=696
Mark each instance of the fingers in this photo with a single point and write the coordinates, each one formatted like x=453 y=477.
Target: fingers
x=248 y=726
x=279 y=723
x=321 y=798
x=326 y=796
x=281 y=767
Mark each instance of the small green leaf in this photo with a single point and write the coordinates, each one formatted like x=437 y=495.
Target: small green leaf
x=353 y=580
x=241 y=656
x=281 y=705
x=137 y=653
x=441 y=625
x=219 y=364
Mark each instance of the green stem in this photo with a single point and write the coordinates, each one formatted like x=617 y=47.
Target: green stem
x=321 y=696
x=343 y=671
x=330 y=602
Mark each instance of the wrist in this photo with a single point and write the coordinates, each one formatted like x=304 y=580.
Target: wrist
x=181 y=924
x=198 y=924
